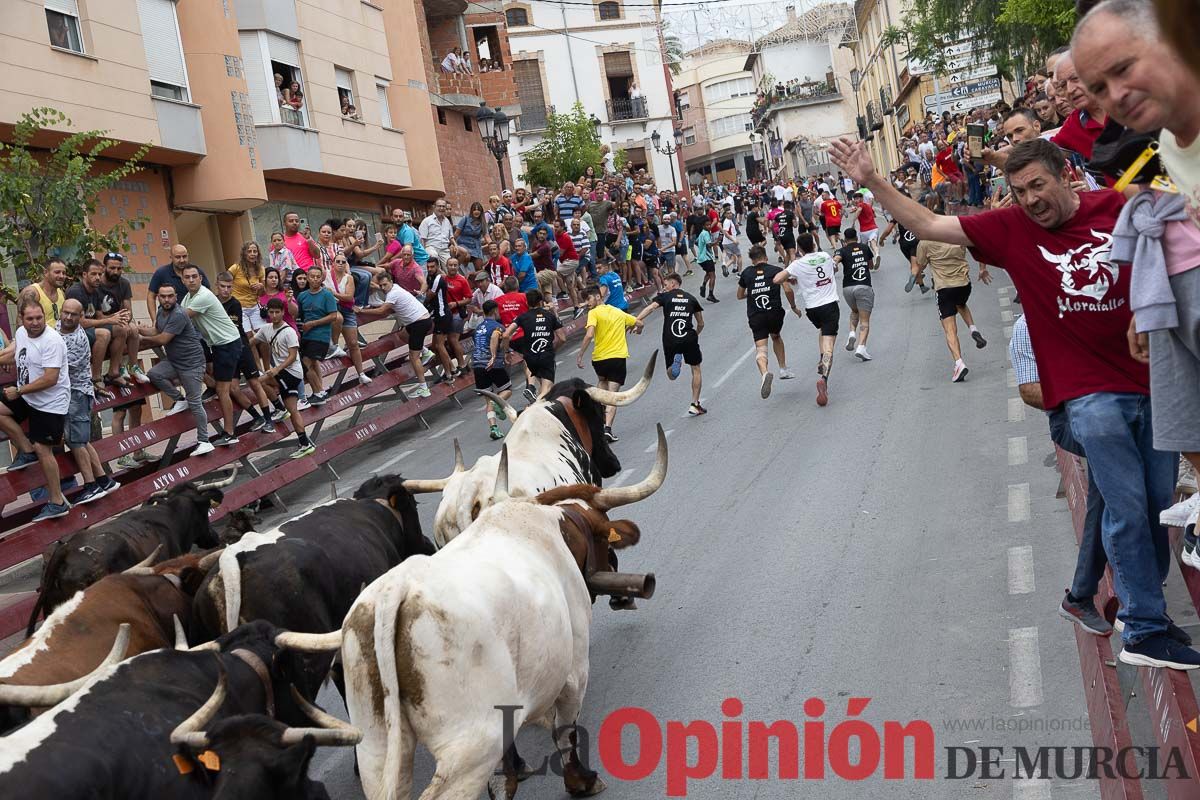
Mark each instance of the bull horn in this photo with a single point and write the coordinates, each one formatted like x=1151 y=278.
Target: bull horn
x=459 y=464
x=223 y=482
x=181 y=642
x=500 y=491
x=605 y=397
x=509 y=411
x=191 y=730
x=52 y=695
x=605 y=499
x=207 y=647
x=205 y=563
x=143 y=566
x=330 y=731
x=425 y=486
x=309 y=642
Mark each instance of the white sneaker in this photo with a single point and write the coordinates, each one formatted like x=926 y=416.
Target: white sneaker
x=303 y=405
x=765 y=388
x=786 y=374
x=1178 y=515
x=960 y=373
x=364 y=379
x=420 y=391
x=180 y=405
x=203 y=449
x=850 y=342
x=862 y=354
x=336 y=352
x=1187 y=477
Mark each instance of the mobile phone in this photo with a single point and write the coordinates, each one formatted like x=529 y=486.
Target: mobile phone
x=378 y=237
x=361 y=235
x=975 y=133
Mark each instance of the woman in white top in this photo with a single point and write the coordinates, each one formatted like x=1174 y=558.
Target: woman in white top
x=339 y=281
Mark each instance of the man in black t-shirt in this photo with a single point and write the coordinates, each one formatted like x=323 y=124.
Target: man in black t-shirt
x=908 y=246
x=102 y=328
x=786 y=222
x=695 y=223
x=682 y=322
x=542 y=334
x=765 y=313
x=857 y=262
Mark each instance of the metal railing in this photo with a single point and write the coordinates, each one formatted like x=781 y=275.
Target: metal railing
x=796 y=94
x=623 y=108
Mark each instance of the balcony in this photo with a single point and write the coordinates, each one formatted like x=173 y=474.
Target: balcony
x=792 y=96
x=180 y=126
x=874 y=117
x=457 y=91
x=623 y=109
x=533 y=118
x=885 y=100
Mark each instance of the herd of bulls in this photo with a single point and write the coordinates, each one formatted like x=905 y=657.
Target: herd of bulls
x=163 y=670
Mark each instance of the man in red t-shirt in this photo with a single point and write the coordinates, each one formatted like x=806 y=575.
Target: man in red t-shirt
x=1055 y=244
x=863 y=213
x=513 y=304
x=459 y=289
x=831 y=218
x=498 y=267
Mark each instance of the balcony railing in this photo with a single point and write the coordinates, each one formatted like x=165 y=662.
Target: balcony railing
x=787 y=96
x=533 y=118
x=626 y=108
x=874 y=116
x=290 y=116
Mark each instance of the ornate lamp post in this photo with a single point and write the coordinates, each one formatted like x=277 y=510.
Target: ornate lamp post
x=670 y=150
x=495 y=132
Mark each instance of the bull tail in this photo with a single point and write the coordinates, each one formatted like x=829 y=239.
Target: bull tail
x=374 y=691
x=49 y=578
x=231 y=582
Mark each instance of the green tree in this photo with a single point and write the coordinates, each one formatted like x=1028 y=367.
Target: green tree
x=569 y=145
x=48 y=196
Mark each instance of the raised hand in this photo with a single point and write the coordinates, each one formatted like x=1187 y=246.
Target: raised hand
x=852 y=158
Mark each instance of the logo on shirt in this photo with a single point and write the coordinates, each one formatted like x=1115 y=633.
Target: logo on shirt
x=1087 y=275
x=539 y=345
x=763 y=301
x=679 y=328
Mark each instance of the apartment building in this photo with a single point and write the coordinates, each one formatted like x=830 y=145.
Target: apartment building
x=606 y=55
x=878 y=80
x=258 y=107
x=715 y=95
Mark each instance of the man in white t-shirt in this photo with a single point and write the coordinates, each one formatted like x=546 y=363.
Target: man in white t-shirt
x=778 y=192
x=285 y=372
x=814 y=273
x=42 y=395
x=412 y=316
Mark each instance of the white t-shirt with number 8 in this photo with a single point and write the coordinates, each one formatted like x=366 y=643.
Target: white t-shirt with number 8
x=815 y=275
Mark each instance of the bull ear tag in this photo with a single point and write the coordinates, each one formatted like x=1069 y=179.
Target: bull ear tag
x=210 y=760
x=183 y=764
x=613 y=536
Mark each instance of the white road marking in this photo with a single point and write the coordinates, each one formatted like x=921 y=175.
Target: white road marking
x=382 y=468
x=1002 y=290
x=1018 y=450
x=1020 y=570
x=654 y=445
x=446 y=429
x=729 y=372
x=1012 y=378
x=1008 y=330
x=1018 y=502
x=1006 y=315
x=1029 y=790
x=1025 y=668
x=1016 y=409
x=1005 y=301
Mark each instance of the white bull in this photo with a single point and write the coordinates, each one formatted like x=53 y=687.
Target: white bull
x=499 y=617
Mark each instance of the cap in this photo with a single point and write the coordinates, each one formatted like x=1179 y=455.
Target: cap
x=112 y=255
x=480 y=276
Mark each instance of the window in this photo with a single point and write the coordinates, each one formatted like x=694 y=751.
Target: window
x=441 y=116
x=385 y=111
x=467 y=122
x=685 y=100
x=62 y=20
x=277 y=90
x=689 y=135
x=516 y=17
x=164 y=49
x=487 y=48
x=344 y=80
x=528 y=76
x=724 y=90
x=610 y=10
x=730 y=126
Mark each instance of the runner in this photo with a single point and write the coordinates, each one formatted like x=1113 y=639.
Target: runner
x=487 y=359
x=831 y=217
x=705 y=257
x=948 y=263
x=680 y=337
x=732 y=251
x=863 y=213
x=814 y=272
x=542 y=333
x=786 y=224
x=908 y=246
x=764 y=311
x=606 y=324
x=857 y=262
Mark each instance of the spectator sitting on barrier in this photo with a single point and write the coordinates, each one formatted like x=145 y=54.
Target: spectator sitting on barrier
x=106 y=332
x=285 y=376
x=178 y=337
x=247 y=364
x=78 y=427
x=42 y=395
x=412 y=316
x=484 y=290
x=49 y=290
x=318 y=309
x=117 y=297
x=209 y=317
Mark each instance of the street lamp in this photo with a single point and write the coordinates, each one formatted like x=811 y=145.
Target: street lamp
x=494 y=130
x=670 y=150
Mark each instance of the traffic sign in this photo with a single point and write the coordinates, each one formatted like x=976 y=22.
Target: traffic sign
x=966 y=103
x=973 y=73
x=963 y=90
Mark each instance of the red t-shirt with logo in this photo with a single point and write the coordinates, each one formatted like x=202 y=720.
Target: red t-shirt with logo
x=1075 y=298
x=831 y=212
x=511 y=306
x=866 y=218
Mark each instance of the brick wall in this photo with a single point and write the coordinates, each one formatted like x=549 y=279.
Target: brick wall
x=499 y=88
x=468 y=167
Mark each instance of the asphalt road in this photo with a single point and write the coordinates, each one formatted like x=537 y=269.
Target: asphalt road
x=902 y=544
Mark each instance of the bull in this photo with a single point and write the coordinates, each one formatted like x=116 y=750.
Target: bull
x=211 y=722
x=500 y=616
x=554 y=442
x=154 y=604
x=305 y=574
x=167 y=525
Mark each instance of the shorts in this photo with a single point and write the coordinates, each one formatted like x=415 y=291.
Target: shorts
x=566 y=269
x=541 y=367
x=860 y=298
x=787 y=241
x=79 y=420
x=417 y=332
x=289 y=384
x=457 y=323
x=766 y=323
x=91 y=332
x=869 y=237
x=833 y=230
x=688 y=348
x=708 y=266
x=252 y=318
x=313 y=349
x=225 y=358
x=1175 y=371
x=950 y=298
x=44 y=427
x=732 y=248
x=610 y=369
x=495 y=379
x=247 y=367
x=444 y=325
x=349 y=318
x=824 y=318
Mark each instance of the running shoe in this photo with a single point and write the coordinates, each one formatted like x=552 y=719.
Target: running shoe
x=494 y=432
x=695 y=410
x=609 y=436
x=108 y=484
x=713 y=299
x=1159 y=650
x=1084 y=614
x=1187 y=477
x=924 y=289
x=861 y=353
x=499 y=409
x=22 y=461
x=224 y=440
x=318 y=399
x=258 y=424
x=960 y=373
x=420 y=391
x=529 y=394
x=1189 y=556
x=764 y=389
x=268 y=426
x=139 y=374
x=851 y=342
x=689 y=273
x=335 y=351
x=724 y=271
x=912 y=281
x=303 y=405
x=179 y=406
x=1177 y=515
x=53 y=511
x=91 y=492
x=676 y=366
x=304 y=450
x=280 y=415
x=426 y=355
x=127 y=462
x=980 y=342
x=822 y=391
x=786 y=374
x=203 y=449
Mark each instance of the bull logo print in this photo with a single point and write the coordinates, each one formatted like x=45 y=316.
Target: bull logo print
x=679 y=328
x=1086 y=273
x=538 y=346
x=763 y=301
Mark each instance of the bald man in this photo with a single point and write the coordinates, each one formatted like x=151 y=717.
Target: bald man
x=170 y=273
x=78 y=429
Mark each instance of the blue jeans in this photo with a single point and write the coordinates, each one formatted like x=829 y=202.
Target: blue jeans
x=362 y=286
x=1090 y=564
x=1135 y=482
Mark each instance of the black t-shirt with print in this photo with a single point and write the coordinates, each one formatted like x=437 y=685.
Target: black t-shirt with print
x=762 y=293
x=856 y=264
x=679 y=310
x=787 y=224
x=539 y=326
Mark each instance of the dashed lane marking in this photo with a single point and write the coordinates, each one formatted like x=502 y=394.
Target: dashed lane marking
x=1018 y=450
x=1025 y=668
x=1020 y=570
x=385 y=465
x=1016 y=409
x=729 y=372
x=654 y=445
x=446 y=429
x=1018 y=502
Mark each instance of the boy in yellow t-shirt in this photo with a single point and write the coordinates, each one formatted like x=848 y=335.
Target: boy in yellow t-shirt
x=607 y=326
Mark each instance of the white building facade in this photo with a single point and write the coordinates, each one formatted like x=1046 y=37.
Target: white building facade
x=715 y=94
x=605 y=56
